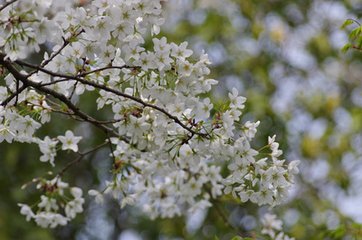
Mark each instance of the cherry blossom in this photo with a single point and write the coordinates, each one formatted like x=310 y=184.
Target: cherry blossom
x=168 y=143
x=69 y=141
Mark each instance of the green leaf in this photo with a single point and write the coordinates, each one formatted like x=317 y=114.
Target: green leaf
x=238 y=238
x=355 y=33
x=347 y=23
x=359 y=42
x=241 y=238
x=346 y=47
x=338 y=233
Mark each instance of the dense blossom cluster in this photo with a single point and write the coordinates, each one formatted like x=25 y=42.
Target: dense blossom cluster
x=320 y=124
x=169 y=145
x=48 y=214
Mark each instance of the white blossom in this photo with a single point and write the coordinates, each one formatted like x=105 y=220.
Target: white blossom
x=26 y=210
x=69 y=141
x=168 y=143
x=98 y=196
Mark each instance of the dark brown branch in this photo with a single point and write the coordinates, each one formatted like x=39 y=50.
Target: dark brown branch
x=7 y=4
x=73 y=115
x=106 y=68
x=79 y=75
x=357 y=48
x=53 y=55
x=17 y=83
x=114 y=91
x=61 y=97
x=46 y=62
x=15 y=94
x=111 y=148
x=55 y=82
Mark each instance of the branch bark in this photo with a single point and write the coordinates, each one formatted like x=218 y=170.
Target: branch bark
x=111 y=90
x=7 y=4
x=27 y=83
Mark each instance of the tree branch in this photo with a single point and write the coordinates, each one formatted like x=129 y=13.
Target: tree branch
x=114 y=91
x=61 y=97
x=7 y=4
x=79 y=158
x=53 y=55
x=106 y=68
x=15 y=94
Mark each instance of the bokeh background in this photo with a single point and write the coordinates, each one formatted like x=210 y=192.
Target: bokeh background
x=285 y=57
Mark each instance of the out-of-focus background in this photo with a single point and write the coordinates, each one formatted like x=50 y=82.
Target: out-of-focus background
x=285 y=57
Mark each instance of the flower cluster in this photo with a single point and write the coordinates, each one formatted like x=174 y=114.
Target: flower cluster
x=55 y=207
x=169 y=143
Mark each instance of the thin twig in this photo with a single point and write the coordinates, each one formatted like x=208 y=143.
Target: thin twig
x=66 y=42
x=61 y=97
x=79 y=158
x=354 y=20
x=17 y=90
x=106 y=68
x=7 y=4
x=356 y=47
x=111 y=148
x=15 y=94
x=114 y=91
